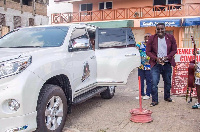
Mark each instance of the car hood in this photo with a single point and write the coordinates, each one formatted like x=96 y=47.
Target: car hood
x=11 y=53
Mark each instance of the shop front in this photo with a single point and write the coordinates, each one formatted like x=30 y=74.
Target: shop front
x=191 y=27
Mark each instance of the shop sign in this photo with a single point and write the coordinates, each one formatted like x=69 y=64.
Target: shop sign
x=167 y=22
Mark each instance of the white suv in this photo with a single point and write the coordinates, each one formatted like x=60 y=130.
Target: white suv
x=44 y=71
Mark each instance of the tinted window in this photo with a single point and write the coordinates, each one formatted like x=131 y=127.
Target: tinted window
x=115 y=37
x=35 y=37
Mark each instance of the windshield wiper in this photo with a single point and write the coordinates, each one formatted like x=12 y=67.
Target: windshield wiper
x=26 y=47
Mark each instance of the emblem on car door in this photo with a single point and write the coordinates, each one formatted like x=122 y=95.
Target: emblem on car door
x=86 y=72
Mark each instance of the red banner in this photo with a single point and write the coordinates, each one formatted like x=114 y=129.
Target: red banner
x=180 y=71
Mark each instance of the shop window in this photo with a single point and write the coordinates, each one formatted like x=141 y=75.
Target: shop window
x=105 y=5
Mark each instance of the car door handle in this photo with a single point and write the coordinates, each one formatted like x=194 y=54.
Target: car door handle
x=92 y=57
x=130 y=55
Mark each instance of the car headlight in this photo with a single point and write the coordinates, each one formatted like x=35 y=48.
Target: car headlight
x=14 y=66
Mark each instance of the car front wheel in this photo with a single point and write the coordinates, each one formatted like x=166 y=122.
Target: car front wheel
x=51 y=109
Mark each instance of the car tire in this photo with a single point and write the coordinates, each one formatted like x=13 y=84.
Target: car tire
x=51 y=109
x=108 y=93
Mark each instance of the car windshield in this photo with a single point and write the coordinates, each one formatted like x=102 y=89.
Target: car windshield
x=35 y=37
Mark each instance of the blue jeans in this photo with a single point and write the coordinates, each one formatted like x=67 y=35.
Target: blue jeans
x=145 y=74
x=166 y=71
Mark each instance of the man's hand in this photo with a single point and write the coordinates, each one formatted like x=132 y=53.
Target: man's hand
x=165 y=58
x=159 y=60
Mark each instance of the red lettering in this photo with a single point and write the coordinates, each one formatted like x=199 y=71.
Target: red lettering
x=182 y=59
x=185 y=51
x=178 y=51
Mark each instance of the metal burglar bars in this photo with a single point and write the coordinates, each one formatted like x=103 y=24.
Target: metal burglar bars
x=171 y=10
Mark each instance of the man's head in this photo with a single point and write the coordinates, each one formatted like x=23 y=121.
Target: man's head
x=160 y=30
x=146 y=37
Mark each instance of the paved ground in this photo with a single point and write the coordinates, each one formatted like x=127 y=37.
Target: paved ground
x=99 y=115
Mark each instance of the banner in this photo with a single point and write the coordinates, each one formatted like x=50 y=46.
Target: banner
x=180 y=71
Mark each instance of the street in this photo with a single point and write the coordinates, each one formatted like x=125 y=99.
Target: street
x=100 y=115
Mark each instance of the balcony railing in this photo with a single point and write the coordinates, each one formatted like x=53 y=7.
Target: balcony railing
x=172 y=10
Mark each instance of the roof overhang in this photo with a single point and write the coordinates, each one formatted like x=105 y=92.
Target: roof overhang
x=191 y=21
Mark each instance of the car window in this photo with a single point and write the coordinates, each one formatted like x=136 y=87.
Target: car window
x=79 y=40
x=115 y=37
x=35 y=37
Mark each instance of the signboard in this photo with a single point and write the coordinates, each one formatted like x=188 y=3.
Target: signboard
x=180 y=71
x=154 y=22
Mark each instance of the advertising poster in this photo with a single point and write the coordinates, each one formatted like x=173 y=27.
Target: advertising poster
x=180 y=71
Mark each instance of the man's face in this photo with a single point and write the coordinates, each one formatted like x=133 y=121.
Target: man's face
x=160 y=30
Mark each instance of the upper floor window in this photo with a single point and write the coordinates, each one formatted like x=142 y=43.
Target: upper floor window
x=105 y=5
x=167 y=2
x=173 y=1
x=86 y=7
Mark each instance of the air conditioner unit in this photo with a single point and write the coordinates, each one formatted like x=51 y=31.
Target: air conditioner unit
x=137 y=14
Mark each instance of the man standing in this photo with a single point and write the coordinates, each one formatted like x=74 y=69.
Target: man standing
x=144 y=68
x=161 y=49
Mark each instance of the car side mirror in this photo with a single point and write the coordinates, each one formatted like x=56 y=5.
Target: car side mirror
x=78 y=45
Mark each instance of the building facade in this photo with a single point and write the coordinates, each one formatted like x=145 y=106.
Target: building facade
x=181 y=17
x=58 y=7
x=22 y=13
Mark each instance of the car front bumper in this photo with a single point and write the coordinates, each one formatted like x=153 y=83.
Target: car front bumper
x=24 y=123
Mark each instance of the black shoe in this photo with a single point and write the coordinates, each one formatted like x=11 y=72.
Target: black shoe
x=153 y=104
x=168 y=99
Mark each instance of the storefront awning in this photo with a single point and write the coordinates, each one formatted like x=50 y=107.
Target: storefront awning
x=191 y=21
x=168 y=22
x=113 y=24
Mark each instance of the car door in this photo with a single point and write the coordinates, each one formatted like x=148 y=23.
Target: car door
x=116 y=55
x=84 y=61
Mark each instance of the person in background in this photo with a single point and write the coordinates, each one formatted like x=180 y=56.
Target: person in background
x=197 y=82
x=161 y=49
x=144 y=68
